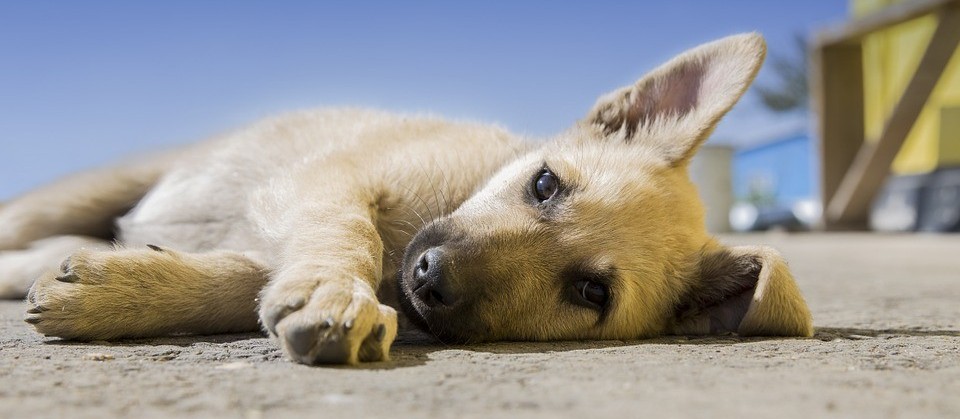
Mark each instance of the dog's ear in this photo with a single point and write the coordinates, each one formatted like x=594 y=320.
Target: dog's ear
x=747 y=290
x=675 y=107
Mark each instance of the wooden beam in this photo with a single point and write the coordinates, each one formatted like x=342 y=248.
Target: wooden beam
x=851 y=32
x=836 y=81
x=852 y=200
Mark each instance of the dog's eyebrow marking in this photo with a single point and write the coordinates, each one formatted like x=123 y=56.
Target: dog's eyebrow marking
x=569 y=175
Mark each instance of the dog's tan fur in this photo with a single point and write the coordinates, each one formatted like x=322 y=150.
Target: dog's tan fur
x=310 y=213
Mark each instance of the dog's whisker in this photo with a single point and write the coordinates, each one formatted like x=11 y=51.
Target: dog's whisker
x=426 y=204
x=446 y=184
x=416 y=195
x=433 y=186
x=406 y=233
x=409 y=224
x=401 y=227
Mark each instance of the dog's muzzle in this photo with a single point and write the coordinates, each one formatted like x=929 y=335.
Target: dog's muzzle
x=434 y=295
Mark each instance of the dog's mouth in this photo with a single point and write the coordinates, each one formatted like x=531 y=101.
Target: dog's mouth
x=425 y=318
x=445 y=324
x=408 y=305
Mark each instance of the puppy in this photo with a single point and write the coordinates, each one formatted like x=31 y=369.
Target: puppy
x=316 y=225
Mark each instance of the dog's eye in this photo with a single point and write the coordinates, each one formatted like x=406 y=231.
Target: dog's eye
x=545 y=185
x=592 y=292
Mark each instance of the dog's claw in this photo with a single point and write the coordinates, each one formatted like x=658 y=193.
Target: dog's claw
x=33 y=319
x=36 y=310
x=155 y=247
x=348 y=325
x=328 y=323
x=68 y=278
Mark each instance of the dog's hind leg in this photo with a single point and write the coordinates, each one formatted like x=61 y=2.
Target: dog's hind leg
x=105 y=295
x=83 y=204
x=19 y=268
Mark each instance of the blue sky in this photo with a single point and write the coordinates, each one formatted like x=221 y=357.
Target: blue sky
x=86 y=83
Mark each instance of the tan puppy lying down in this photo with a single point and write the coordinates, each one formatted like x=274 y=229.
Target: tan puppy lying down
x=316 y=225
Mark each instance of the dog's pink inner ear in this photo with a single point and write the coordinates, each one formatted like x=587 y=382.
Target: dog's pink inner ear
x=675 y=107
x=672 y=96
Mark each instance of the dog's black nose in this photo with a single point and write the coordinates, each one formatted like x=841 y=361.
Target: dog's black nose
x=431 y=283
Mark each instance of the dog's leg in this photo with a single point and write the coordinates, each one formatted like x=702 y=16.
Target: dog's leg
x=19 y=268
x=84 y=204
x=321 y=304
x=103 y=295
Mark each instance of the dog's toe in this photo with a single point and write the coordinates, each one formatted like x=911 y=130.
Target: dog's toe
x=334 y=350
x=301 y=339
x=270 y=315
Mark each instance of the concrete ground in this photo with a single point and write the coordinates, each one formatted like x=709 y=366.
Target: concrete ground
x=887 y=311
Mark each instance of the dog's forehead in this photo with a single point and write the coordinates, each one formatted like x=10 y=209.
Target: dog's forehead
x=504 y=181
x=616 y=174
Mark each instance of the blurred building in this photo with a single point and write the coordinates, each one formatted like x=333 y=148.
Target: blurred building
x=774 y=184
x=779 y=172
x=890 y=58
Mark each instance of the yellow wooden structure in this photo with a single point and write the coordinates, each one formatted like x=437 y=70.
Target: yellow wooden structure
x=890 y=57
x=886 y=92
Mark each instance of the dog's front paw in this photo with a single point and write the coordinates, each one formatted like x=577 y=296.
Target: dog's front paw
x=328 y=322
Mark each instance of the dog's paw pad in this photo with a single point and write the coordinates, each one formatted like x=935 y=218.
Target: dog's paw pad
x=302 y=338
x=328 y=341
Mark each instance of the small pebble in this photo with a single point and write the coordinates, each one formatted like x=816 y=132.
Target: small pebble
x=97 y=356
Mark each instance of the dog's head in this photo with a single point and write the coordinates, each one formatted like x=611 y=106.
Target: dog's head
x=599 y=234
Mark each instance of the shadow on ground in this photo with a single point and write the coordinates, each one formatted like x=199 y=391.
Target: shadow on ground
x=413 y=348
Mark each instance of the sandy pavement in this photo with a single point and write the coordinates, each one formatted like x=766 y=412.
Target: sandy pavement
x=887 y=311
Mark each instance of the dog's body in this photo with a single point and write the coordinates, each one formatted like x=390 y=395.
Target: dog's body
x=597 y=234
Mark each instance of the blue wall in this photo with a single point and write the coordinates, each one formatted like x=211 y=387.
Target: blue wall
x=783 y=170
